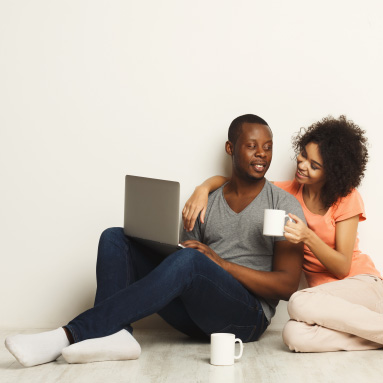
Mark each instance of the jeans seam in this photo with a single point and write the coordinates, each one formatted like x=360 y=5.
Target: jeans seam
x=223 y=291
x=73 y=332
x=258 y=326
x=249 y=307
x=172 y=296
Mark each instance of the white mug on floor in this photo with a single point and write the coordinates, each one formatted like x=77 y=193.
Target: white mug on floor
x=222 y=349
x=274 y=222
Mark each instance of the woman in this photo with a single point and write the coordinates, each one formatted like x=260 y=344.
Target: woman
x=343 y=308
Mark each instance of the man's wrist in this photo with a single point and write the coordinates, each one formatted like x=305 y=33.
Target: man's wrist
x=226 y=265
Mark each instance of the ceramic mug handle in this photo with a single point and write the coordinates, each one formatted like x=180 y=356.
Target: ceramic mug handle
x=290 y=219
x=240 y=348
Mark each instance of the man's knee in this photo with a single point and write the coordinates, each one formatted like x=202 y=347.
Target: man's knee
x=187 y=257
x=112 y=234
x=189 y=260
x=111 y=240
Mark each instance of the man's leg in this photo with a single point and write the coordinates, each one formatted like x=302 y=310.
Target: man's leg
x=208 y=299
x=177 y=316
x=120 y=262
x=219 y=303
x=187 y=274
x=353 y=306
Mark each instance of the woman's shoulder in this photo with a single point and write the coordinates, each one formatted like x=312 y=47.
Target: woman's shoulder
x=349 y=206
x=291 y=186
x=353 y=198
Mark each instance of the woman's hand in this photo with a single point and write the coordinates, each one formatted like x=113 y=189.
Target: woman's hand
x=297 y=231
x=337 y=261
x=194 y=205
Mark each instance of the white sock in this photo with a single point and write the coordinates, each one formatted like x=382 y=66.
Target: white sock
x=119 y=346
x=33 y=349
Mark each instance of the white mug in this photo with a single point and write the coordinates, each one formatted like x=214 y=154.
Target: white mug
x=222 y=349
x=274 y=222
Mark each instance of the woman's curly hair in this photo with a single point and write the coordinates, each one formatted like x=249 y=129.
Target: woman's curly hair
x=343 y=148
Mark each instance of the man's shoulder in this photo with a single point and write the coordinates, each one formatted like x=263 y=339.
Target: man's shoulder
x=283 y=200
x=216 y=194
x=213 y=199
x=277 y=191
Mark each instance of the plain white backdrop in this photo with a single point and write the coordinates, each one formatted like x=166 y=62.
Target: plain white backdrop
x=93 y=90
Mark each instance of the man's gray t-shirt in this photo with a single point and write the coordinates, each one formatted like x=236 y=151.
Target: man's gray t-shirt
x=238 y=237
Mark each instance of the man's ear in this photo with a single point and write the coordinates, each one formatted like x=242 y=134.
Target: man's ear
x=229 y=148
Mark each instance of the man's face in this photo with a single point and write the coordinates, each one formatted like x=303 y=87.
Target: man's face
x=253 y=151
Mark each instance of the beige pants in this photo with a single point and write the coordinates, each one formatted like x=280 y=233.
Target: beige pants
x=341 y=315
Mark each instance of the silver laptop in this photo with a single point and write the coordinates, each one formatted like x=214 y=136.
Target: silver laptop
x=152 y=213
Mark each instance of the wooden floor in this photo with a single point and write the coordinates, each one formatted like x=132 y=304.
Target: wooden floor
x=168 y=356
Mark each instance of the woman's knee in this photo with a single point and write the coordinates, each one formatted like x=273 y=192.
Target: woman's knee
x=296 y=305
x=293 y=335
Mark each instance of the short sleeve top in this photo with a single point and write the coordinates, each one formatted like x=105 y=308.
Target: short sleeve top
x=324 y=226
x=238 y=237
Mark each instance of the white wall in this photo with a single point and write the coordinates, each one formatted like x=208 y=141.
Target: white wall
x=93 y=90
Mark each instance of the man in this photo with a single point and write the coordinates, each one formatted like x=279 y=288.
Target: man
x=229 y=277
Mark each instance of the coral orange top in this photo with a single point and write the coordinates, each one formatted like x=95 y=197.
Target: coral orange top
x=324 y=227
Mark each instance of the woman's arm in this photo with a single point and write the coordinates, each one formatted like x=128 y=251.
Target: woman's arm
x=337 y=261
x=198 y=201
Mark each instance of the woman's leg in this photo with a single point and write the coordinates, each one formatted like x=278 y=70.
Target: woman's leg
x=303 y=337
x=353 y=308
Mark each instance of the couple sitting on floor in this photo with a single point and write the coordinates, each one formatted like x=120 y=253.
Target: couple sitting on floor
x=229 y=277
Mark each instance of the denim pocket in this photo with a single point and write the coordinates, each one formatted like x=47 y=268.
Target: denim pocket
x=248 y=333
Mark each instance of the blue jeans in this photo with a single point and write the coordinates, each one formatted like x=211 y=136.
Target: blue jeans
x=188 y=290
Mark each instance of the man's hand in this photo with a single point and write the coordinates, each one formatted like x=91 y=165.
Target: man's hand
x=192 y=244
x=279 y=283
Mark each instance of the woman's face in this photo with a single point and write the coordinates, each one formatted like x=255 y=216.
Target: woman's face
x=310 y=166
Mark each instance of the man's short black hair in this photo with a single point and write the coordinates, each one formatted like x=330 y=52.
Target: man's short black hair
x=235 y=128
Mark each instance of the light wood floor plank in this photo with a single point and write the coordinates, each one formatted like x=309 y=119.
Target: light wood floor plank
x=169 y=357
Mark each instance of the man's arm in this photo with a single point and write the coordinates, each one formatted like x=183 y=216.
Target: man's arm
x=280 y=283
